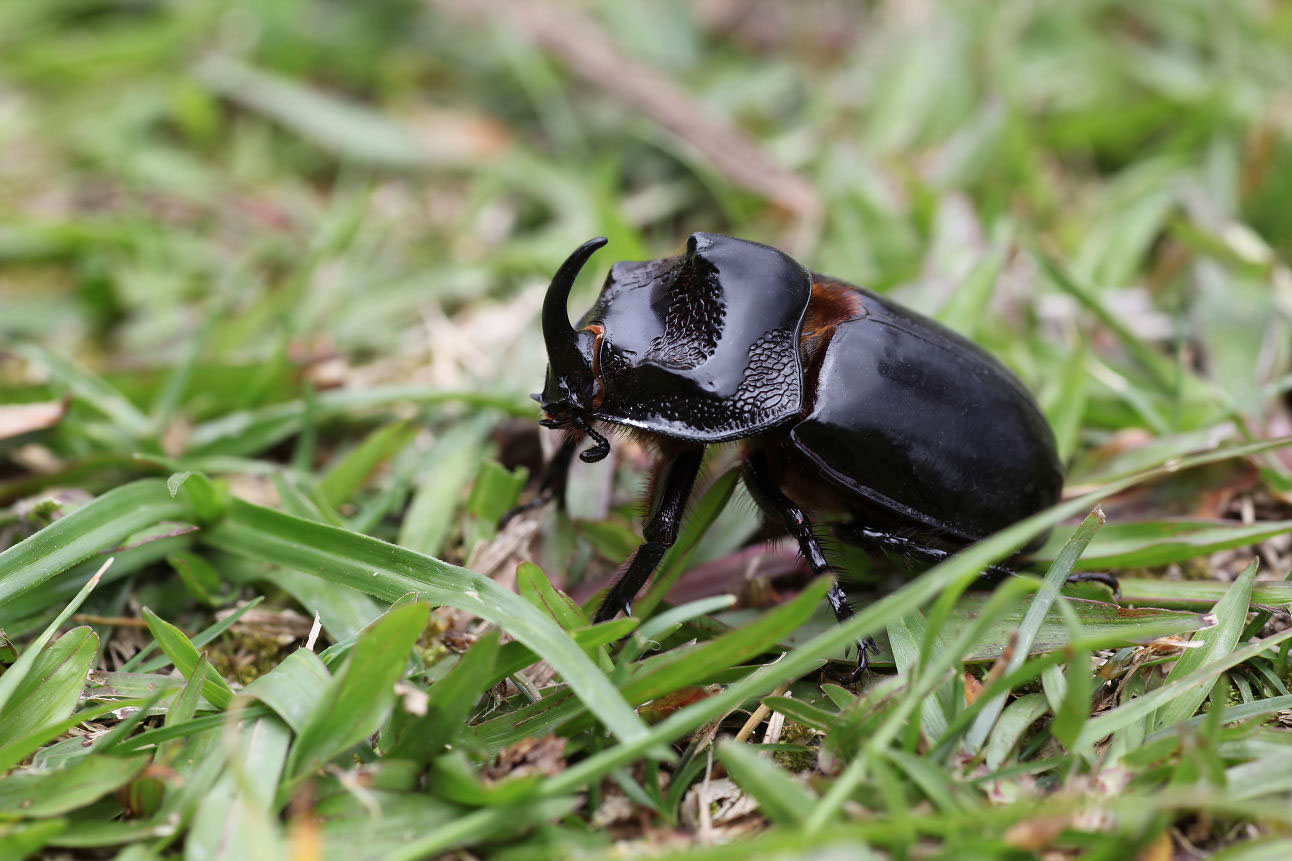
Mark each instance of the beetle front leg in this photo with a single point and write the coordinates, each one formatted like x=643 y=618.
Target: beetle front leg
x=674 y=477
x=552 y=485
x=800 y=527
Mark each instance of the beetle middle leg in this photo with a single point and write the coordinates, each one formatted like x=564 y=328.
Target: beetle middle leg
x=900 y=545
x=674 y=477
x=798 y=525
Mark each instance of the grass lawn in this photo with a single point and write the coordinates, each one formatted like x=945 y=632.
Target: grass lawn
x=270 y=274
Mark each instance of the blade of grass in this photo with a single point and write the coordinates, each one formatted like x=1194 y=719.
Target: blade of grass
x=1133 y=545
x=1140 y=707
x=781 y=798
x=1009 y=729
x=50 y=793
x=18 y=670
x=357 y=700
x=448 y=466
x=92 y=389
x=100 y=524
x=184 y=655
x=342 y=480
x=1074 y=709
x=449 y=703
x=207 y=635
x=388 y=572
x=1036 y=613
x=48 y=688
x=1217 y=642
x=293 y=688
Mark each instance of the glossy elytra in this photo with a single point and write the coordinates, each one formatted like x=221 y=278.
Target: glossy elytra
x=845 y=404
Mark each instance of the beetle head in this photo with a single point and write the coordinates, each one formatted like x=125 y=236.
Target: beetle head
x=571 y=381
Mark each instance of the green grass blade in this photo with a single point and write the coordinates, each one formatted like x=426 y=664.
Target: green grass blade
x=184 y=655
x=1073 y=712
x=47 y=689
x=780 y=796
x=1140 y=707
x=1036 y=613
x=92 y=389
x=450 y=464
x=1152 y=543
x=293 y=688
x=238 y=818
x=533 y=585
x=905 y=636
x=358 y=699
x=1010 y=727
x=1216 y=643
x=1065 y=402
x=17 y=672
x=344 y=478
x=15 y=750
x=49 y=793
x=388 y=572
x=449 y=703
x=101 y=524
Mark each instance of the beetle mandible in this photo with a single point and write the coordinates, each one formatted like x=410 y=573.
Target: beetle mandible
x=845 y=403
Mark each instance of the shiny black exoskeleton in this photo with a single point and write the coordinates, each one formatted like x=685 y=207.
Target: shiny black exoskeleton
x=845 y=404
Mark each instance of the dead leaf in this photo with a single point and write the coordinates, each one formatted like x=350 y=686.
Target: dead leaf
x=21 y=419
x=1033 y=835
x=1159 y=850
x=545 y=756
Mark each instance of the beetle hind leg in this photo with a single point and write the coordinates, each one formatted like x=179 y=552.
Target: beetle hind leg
x=796 y=522
x=901 y=545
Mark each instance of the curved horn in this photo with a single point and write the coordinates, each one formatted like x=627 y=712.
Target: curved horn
x=557 y=331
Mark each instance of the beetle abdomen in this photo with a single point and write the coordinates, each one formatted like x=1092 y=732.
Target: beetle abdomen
x=926 y=425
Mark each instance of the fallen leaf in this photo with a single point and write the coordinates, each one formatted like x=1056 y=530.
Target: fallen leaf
x=21 y=419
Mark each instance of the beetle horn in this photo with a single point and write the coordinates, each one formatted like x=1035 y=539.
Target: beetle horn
x=562 y=350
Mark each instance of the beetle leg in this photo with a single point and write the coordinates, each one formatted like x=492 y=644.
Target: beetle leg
x=1107 y=579
x=800 y=527
x=553 y=484
x=901 y=545
x=898 y=544
x=675 y=476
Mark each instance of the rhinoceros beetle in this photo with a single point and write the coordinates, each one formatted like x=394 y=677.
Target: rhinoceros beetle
x=845 y=404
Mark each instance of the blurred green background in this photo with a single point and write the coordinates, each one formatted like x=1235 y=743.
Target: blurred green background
x=388 y=184
x=300 y=246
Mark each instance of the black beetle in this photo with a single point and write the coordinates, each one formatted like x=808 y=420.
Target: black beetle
x=845 y=404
